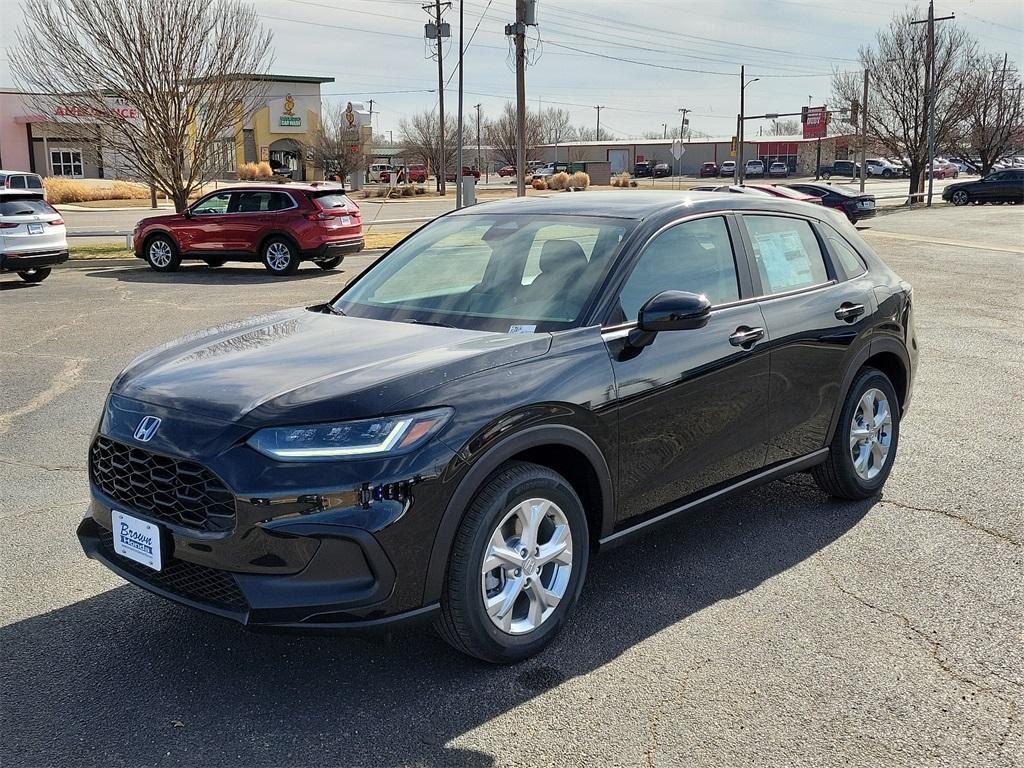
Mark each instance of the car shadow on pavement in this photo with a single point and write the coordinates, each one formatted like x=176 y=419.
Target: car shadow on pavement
x=198 y=274
x=10 y=285
x=125 y=678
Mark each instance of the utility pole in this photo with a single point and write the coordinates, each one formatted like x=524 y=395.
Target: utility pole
x=479 y=160
x=391 y=138
x=682 y=123
x=864 y=133
x=458 y=153
x=738 y=174
x=438 y=34
x=664 y=130
x=597 y=136
x=930 y=90
x=517 y=30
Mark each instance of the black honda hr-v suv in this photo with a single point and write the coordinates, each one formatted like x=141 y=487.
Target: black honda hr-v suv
x=510 y=388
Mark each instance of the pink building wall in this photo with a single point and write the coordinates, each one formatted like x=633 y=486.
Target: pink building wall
x=13 y=134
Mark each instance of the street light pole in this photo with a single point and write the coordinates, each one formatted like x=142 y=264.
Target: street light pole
x=738 y=173
x=930 y=89
x=458 y=154
x=597 y=136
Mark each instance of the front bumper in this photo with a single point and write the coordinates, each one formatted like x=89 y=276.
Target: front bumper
x=19 y=262
x=329 y=545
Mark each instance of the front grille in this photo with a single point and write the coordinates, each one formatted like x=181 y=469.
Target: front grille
x=172 y=490
x=180 y=577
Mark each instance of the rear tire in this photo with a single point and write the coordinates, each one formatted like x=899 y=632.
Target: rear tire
x=863 y=448
x=960 y=197
x=528 y=597
x=826 y=175
x=35 y=275
x=280 y=256
x=162 y=254
x=327 y=264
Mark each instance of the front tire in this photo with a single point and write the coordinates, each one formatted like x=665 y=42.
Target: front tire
x=280 y=256
x=960 y=197
x=162 y=254
x=826 y=175
x=331 y=263
x=35 y=275
x=864 y=446
x=516 y=567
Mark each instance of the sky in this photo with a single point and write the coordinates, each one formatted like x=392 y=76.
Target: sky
x=690 y=53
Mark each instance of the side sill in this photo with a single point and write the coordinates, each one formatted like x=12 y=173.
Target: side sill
x=765 y=476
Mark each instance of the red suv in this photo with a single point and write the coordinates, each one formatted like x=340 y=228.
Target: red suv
x=279 y=225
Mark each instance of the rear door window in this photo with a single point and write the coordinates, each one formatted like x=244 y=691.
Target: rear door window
x=787 y=253
x=848 y=260
x=34 y=182
x=262 y=201
x=16 y=182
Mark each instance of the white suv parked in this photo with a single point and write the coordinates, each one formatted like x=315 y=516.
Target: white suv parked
x=879 y=166
x=21 y=181
x=32 y=235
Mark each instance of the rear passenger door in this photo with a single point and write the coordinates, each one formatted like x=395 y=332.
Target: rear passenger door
x=817 y=302
x=255 y=214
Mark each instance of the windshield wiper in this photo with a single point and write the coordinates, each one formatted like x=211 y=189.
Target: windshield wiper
x=330 y=308
x=428 y=322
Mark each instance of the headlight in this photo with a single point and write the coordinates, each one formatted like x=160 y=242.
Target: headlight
x=350 y=439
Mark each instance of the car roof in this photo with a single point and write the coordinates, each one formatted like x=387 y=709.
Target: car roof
x=322 y=187
x=634 y=204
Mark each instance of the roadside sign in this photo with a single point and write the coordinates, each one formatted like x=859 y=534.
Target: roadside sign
x=732 y=147
x=677 y=149
x=816 y=125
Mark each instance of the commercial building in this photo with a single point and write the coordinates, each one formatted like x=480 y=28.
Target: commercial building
x=39 y=134
x=799 y=154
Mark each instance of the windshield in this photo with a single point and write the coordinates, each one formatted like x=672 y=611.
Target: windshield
x=501 y=272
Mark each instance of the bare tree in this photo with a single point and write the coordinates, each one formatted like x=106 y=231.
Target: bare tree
x=335 y=147
x=500 y=134
x=165 y=82
x=784 y=128
x=420 y=139
x=994 y=121
x=897 y=103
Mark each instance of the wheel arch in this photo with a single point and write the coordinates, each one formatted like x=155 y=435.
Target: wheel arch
x=278 y=234
x=564 y=449
x=888 y=356
x=156 y=232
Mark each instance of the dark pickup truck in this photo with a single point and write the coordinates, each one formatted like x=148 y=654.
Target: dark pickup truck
x=839 y=168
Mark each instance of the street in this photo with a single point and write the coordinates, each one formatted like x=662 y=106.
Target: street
x=778 y=627
x=81 y=220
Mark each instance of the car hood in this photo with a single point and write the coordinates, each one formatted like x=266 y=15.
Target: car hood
x=166 y=219
x=301 y=365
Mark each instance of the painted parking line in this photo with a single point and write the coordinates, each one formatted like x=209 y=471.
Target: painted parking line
x=940 y=241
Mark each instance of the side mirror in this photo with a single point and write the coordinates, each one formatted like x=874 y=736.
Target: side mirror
x=187 y=213
x=670 y=311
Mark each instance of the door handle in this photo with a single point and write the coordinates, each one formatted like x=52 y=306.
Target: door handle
x=745 y=336
x=849 y=312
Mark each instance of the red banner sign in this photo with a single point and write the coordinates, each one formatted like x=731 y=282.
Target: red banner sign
x=816 y=125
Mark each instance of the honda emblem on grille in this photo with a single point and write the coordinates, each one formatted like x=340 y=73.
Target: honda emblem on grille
x=147 y=428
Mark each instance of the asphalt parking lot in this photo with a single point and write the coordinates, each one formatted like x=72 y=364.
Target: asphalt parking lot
x=778 y=628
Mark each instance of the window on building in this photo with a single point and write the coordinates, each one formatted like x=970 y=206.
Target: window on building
x=66 y=162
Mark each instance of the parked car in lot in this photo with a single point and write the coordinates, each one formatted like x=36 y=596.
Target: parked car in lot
x=943 y=169
x=33 y=237
x=376 y=169
x=281 y=170
x=753 y=169
x=778 y=170
x=418 y=173
x=963 y=166
x=22 y=181
x=839 y=168
x=277 y=225
x=847 y=200
x=661 y=170
x=1006 y=186
x=466 y=171
x=508 y=170
x=348 y=465
x=709 y=169
x=787 y=192
x=727 y=168
x=544 y=172
x=880 y=166
x=642 y=170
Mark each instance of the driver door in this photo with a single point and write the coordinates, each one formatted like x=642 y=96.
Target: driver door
x=203 y=229
x=692 y=406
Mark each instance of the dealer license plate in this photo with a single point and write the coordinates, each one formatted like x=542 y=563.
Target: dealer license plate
x=866 y=205
x=35 y=229
x=136 y=539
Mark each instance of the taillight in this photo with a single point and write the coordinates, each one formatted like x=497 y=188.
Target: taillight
x=56 y=222
x=333 y=213
x=7 y=225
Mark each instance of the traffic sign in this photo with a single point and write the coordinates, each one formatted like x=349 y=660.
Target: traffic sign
x=677 y=149
x=732 y=147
